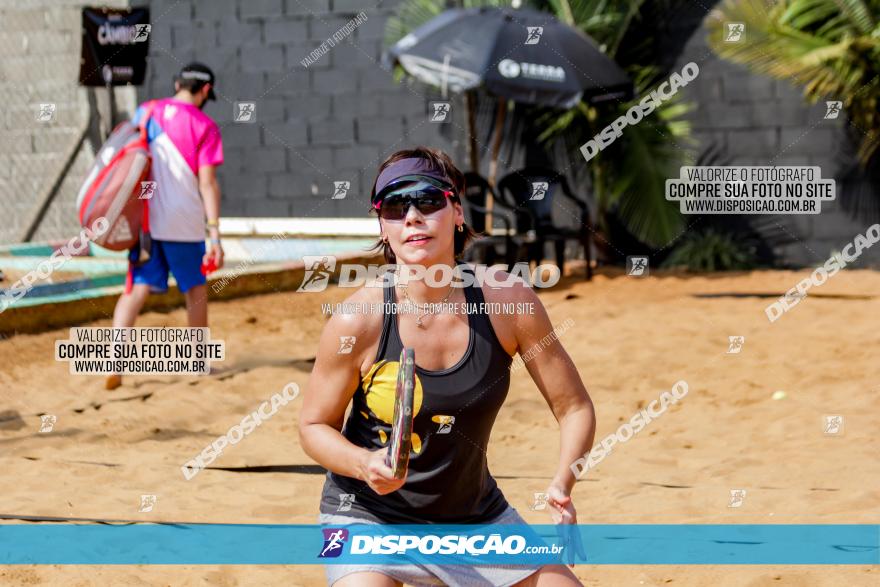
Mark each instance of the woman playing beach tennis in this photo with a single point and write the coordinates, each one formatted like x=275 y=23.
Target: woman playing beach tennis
x=462 y=378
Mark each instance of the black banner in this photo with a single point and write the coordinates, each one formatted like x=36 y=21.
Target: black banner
x=114 y=46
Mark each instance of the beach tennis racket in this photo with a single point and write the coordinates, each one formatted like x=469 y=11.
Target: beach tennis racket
x=402 y=424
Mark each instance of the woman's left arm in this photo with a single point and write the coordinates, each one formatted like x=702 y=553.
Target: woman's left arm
x=557 y=378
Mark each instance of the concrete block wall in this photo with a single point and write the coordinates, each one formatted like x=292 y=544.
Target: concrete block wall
x=758 y=120
x=40 y=44
x=334 y=120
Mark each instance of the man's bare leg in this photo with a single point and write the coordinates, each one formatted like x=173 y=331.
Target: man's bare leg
x=127 y=309
x=197 y=306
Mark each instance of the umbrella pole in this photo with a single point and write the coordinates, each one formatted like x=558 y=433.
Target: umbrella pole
x=493 y=164
x=470 y=102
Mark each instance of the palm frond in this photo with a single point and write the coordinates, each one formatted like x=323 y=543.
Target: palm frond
x=829 y=47
x=858 y=14
x=638 y=165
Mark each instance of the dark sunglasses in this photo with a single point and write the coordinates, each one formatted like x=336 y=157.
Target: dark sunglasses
x=427 y=199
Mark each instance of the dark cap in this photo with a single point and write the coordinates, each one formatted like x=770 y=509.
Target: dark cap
x=201 y=72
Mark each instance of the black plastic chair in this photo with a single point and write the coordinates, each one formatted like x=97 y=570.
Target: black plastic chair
x=530 y=192
x=475 y=198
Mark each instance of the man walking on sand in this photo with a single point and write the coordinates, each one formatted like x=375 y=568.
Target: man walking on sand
x=186 y=148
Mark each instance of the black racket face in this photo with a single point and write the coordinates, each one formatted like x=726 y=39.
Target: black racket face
x=401 y=428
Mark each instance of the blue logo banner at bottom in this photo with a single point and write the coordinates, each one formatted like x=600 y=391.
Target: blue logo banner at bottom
x=620 y=544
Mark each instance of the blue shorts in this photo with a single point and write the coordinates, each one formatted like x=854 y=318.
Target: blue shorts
x=184 y=260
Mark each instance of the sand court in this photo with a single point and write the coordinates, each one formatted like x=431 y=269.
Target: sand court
x=754 y=420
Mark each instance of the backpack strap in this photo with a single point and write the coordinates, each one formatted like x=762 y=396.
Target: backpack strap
x=149 y=107
x=145 y=222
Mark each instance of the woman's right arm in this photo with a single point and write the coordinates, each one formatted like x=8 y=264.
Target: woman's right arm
x=329 y=390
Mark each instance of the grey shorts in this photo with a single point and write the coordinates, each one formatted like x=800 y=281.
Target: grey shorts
x=433 y=575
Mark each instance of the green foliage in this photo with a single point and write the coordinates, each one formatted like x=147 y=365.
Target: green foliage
x=830 y=47
x=628 y=176
x=709 y=250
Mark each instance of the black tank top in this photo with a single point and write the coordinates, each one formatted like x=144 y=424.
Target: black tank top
x=455 y=409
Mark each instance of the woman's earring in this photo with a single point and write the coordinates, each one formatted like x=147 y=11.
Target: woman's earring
x=460 y=228
x=385 y=239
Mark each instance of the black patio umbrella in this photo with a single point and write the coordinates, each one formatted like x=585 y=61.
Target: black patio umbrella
x=519 y=54
x=515 y=54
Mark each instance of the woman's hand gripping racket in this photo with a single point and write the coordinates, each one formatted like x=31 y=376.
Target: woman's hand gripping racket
x=401 y=427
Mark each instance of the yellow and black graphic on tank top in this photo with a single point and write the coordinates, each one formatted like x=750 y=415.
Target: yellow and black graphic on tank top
x=380 y=386
x=445 y=423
